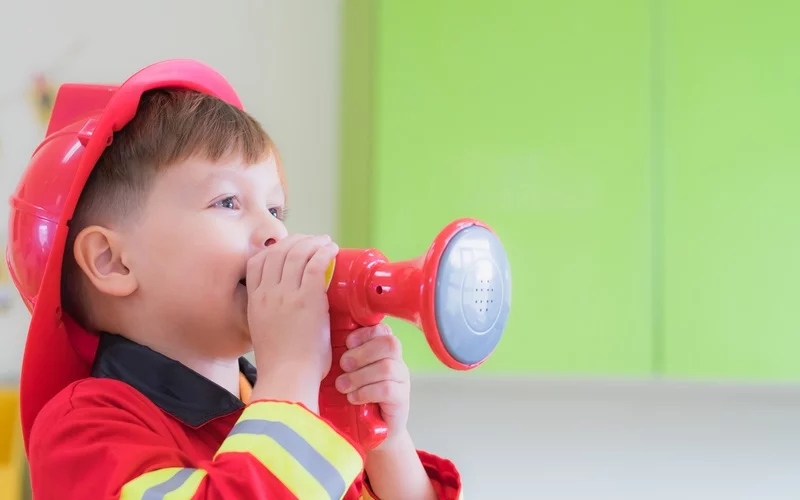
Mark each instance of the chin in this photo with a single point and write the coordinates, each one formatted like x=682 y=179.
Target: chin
x=229 y=340
x=244 y=344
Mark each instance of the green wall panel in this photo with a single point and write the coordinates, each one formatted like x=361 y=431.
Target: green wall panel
x=535 y=117
x=732 y=189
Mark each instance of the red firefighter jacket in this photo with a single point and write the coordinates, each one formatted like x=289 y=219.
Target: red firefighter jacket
x=146 y=427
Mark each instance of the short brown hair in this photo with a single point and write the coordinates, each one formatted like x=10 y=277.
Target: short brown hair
x=170 y=126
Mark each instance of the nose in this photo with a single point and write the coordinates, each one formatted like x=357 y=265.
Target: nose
x=269 y=232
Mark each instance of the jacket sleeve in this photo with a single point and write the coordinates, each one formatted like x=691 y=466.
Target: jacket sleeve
x=444 y=476
x=276 y=450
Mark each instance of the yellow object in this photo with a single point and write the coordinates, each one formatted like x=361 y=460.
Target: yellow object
x=245 y=389
x=329 y=274
x=12 y=453
x=43 y=96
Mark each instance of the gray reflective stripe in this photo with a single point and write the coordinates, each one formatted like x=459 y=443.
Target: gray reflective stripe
x=159 y=491
x=316 y=465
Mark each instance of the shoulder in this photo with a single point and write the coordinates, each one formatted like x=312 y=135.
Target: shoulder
x=92 y=401
x=93 y=393
x=98 y=425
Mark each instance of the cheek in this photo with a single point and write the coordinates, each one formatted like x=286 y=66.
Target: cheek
x=195 y=252
x=218 y=242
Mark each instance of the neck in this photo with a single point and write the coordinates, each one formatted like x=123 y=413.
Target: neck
x=181 y=346
x=223 y=372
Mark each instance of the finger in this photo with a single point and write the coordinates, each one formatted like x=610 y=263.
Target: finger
x=254 y=269
x=377 y=348
x=380 y=371
x=274 y=271
x=314 y=273
x=298 y=257
x=381 y=392
x=362 y=335
x=269 y=262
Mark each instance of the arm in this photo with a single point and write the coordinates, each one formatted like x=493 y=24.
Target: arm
x=397 y=472
x=401 y=472
x=108 y=452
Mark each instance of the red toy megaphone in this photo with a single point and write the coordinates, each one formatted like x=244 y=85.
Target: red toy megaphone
x=458 y=294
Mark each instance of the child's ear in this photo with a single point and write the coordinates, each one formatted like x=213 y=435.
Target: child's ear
x=100 y=254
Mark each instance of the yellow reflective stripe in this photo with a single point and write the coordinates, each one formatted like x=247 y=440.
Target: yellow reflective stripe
x=317 y=433
x=308 y=456
x=280 y=463
x=173 y=483
x=321 y=436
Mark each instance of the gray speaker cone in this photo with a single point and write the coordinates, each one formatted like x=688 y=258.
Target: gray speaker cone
x=473 y=294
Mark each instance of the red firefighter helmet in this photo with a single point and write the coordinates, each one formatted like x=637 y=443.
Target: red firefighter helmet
x=83 y=121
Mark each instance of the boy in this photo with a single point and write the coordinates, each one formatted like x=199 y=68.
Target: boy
x=153 y=214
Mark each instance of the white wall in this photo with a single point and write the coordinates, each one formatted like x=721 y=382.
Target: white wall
x=607 y=440
x=280 y=55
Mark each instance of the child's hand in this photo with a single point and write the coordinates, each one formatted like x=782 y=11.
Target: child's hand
x=287 y=311
x=376 y=373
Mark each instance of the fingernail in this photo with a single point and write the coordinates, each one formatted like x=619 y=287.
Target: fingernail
x=342 y=384
x=351 y=341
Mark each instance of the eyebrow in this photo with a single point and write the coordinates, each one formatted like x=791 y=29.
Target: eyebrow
x=216 y=175
x=222 y=174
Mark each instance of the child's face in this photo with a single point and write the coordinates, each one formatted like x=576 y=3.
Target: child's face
x=201 y=224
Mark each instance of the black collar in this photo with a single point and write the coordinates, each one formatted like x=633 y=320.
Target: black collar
x=170 y=385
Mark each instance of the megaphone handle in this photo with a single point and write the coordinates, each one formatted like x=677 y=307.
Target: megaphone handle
x=361 y=423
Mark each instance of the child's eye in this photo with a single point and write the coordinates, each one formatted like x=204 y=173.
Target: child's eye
x=278 y=213
x=229 y=202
